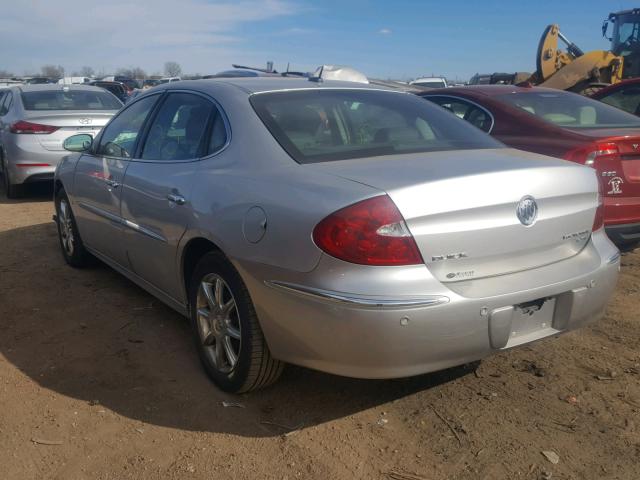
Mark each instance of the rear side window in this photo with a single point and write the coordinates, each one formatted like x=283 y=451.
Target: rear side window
x=186 y=127
x=331 y=124
x=5 y=103
x=570 y=110
x=70 y=100
x=627 y=99
x=473 y=114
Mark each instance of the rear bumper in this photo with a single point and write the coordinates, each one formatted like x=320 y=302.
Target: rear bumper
x=626 y=237
x=409 y=323
x=29 y=162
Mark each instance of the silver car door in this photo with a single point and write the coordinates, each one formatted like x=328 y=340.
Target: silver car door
x=157 y=187
x=98 y=181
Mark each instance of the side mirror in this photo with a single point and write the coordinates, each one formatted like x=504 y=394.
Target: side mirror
x=78 y=143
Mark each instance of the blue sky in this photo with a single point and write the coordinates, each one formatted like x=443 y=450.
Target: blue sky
x=399 y=39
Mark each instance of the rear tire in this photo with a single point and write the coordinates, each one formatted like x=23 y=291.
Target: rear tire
x=226 y=330
x=71 y=244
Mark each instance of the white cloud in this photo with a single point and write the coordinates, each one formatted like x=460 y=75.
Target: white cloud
x=199 y=34
x=385 y=31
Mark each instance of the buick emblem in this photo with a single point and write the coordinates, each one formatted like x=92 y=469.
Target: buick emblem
x=85 y=121
x=527 y=211
x=635 y=146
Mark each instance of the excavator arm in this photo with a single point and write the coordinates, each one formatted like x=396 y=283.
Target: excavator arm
x=572 y=69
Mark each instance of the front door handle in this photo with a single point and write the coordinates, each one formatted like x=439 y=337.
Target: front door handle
x=112 y=183
x=176 y=198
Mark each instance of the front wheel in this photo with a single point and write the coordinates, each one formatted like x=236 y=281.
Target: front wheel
x=71 y=244
x=228 y=337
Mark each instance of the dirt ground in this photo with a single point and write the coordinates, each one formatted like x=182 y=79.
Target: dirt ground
x=98 y=380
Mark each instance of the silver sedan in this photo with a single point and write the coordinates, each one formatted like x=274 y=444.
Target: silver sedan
x=36 y=119
x=358 y=231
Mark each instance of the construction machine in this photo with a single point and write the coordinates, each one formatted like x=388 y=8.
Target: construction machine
x=571 y=68
x=561 y=64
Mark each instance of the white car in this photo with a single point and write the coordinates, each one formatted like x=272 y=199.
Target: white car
x=430 y=82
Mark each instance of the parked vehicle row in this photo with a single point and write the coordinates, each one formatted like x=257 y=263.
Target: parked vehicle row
x=361 y=231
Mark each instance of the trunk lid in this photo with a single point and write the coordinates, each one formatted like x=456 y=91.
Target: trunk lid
x=460 y=207
x=68 y=123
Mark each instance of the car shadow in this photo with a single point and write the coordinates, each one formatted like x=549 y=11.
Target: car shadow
x=93 y=335
x=29 y=193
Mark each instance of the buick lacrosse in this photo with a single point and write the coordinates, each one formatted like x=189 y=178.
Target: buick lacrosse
x=358 y=231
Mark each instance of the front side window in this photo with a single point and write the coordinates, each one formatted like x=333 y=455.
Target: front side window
x=332 y=124
x=570 y=110
x=69 y=100
x=627 y=99
x=182 y=128
x=476 y=116
x=119 y=137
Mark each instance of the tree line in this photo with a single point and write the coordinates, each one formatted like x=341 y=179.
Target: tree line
x=171 y=69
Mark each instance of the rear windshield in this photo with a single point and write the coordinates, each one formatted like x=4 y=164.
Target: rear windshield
x=70 y=100
x=325 y=125
x=571 y=110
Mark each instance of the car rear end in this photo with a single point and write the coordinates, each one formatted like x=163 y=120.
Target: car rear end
x=43 y=117
x=599 y=136
x=459 y=249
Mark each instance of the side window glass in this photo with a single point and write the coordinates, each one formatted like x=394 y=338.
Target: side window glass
x=119 y=138
x=179 y=130
x=7 y=100
x=218 y=133
x=466 y=111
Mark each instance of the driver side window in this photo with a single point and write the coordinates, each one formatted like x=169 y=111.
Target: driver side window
x=119 y=138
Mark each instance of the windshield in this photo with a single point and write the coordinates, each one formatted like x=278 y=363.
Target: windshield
x=324 y=125
x=430 y=84
x=70 y=100
x=570 y=110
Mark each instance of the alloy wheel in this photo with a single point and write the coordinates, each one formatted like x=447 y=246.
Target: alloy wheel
x=66 y=228
x=218 y=323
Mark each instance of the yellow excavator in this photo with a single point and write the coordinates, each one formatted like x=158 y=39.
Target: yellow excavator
x=571 y=68
x=562 y=64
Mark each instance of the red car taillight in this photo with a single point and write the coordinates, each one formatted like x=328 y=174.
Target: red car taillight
x=28 y=127
x=590 y=154
x=370 y=232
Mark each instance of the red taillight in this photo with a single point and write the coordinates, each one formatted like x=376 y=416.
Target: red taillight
x=371 y=232
x=590 y=154
x=28 y=127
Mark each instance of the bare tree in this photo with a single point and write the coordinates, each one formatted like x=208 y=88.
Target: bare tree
x=6 y=74
x=52 y=71
x=139 y=73
x=87 y=71
x=172 y=69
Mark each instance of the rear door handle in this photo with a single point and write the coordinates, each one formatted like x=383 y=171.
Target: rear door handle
x=176 y=198
x=112 y=183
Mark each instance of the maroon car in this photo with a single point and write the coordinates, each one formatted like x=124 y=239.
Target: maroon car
x=624 y=95
x=564 y=125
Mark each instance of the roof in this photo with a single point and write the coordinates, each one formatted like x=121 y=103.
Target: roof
x=615 y=86
x=491 y=90
x=267 y=84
